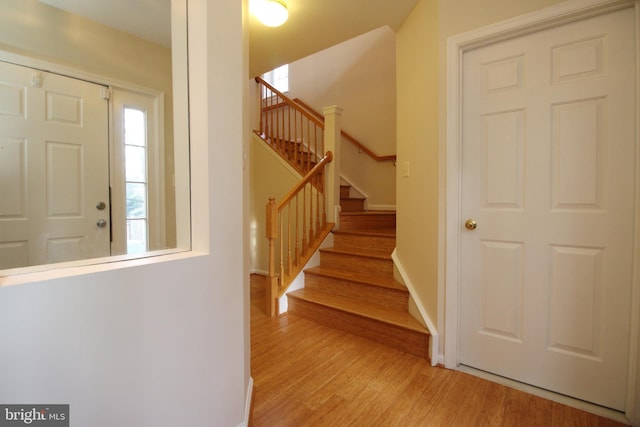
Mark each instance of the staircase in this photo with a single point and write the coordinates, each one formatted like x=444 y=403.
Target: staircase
x=351 y=204
x=353 y=288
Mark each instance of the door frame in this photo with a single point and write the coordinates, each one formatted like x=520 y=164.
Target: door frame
x=451 y=161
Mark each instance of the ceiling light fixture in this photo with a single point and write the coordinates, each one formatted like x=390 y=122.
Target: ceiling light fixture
x=271 y=13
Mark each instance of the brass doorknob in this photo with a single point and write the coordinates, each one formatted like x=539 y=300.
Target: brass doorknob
x=470 y=224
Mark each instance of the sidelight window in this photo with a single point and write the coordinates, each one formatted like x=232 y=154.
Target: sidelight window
x=136 y=180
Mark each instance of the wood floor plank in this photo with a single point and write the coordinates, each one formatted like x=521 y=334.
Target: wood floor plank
x=306 y=374
x=514 y=410
x=492 y=413
x=475 y=402
x=414 y=399
x=351 y=369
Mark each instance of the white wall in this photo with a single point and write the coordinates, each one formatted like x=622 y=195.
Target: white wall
x=164 y=341
x=358 y=75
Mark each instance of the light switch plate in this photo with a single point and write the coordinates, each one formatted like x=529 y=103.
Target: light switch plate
x=405 y=169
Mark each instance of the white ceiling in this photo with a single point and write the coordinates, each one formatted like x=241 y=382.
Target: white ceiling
x=313 y=25
x=147 y=19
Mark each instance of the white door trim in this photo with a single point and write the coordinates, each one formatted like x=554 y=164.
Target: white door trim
x=75 y=73
x=570 y=11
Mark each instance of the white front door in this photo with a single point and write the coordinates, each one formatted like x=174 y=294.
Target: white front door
x=548 y=163
x=54 y=176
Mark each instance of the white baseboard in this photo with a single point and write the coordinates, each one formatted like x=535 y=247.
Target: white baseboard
x=258 y=271
x=436 y=357
x=247 y=404
x=353 y=186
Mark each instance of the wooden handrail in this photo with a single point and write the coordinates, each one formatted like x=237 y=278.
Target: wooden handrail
x=328 y=157
x=289 y=102
x=351 y=139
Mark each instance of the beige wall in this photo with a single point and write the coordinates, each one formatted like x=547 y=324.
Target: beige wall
x=36 y=30
x=636 y=402
x=359 y=76
x=421 y=81
x=269 y=176
x=417 y=195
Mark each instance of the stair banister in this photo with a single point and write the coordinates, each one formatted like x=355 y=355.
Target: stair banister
x=347 y=136
x=298 y=224
x=328 y=158
x=293 y=132
x=304 y=232
x=272 y=279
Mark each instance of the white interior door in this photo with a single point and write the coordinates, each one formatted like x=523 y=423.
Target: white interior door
x=54 y=178
x=548 y=163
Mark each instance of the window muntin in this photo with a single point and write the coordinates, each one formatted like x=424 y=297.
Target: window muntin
x=278 y=78
x=136 y=180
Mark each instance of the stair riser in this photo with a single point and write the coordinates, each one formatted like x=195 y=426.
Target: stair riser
x=390 y=298
x=405 y=340
x=352 y=205
x=345 y=190
x=383 y=244
x=356 y=263
x=363 y=222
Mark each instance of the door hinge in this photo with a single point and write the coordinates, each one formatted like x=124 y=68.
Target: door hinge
x=106 y=93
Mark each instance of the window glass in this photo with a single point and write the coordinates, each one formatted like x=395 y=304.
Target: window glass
x=135 y=137
x=278 y=78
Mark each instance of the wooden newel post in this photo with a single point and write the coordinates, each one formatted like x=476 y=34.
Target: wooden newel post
x=272 y=279
x=332 y=138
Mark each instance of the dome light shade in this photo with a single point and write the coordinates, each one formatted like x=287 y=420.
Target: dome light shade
x=271 y=13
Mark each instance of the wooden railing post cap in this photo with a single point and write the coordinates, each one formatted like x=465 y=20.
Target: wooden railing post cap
x=332 y=109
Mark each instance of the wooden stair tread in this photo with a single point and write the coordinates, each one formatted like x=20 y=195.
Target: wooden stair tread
x=368 y=213
x=377 y=232
x=366 y=253
x=397 y=318
x=367 y=279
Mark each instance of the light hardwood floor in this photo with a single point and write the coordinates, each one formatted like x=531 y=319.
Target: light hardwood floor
x=306 y=374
